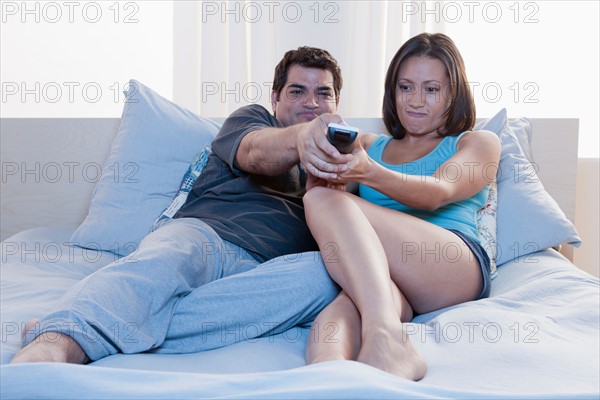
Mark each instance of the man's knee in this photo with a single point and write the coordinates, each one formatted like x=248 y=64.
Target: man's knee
x=317 y=278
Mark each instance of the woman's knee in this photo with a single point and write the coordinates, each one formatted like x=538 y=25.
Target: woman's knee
x=315 y=196
x=319 y=201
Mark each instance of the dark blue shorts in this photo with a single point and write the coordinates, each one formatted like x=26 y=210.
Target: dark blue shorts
x=483 y=259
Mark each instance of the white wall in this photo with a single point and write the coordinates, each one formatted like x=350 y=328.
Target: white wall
x=74 y=58
x=587 y=215
x=536 y=58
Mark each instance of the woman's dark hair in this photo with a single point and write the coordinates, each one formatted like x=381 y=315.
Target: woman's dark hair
x=308 y=57
x=460 y=115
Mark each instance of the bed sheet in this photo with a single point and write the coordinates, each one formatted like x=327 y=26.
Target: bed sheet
x=536 y=336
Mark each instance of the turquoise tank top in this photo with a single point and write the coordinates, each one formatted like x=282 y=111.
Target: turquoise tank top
x=460 y=216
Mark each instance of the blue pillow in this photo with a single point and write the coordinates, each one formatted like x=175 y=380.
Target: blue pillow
x=521 y=127
x=152 y=150
x=528 y=219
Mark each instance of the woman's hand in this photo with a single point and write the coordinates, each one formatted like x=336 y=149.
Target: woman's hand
x=358 y=168
x=312 y=181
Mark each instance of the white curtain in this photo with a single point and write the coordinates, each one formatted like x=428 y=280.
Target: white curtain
x=531 y=57
x=225 y=52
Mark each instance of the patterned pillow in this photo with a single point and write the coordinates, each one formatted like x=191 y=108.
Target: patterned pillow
x=486 y=217
x=193 y=172
x=486 y=227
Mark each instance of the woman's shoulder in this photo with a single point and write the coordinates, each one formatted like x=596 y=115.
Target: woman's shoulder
x=478 y=137
x=367 y=139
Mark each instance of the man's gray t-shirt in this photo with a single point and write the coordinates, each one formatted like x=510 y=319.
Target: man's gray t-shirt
x=262 y=214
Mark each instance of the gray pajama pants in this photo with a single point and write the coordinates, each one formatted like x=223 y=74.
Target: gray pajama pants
x=187 y=290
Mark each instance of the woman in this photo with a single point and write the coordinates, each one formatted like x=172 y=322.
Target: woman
x=409 y=243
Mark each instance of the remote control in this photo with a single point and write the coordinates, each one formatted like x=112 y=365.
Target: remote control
x=342 y=137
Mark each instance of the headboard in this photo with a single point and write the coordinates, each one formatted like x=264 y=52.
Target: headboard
x=50 y=165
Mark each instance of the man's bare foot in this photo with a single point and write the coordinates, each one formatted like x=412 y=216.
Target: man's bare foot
x=393 y=354
x=50 y=347
x=29 y=326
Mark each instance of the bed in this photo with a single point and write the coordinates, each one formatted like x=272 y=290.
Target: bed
x=537 y=335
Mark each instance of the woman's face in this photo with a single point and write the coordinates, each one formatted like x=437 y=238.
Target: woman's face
x=422 y=95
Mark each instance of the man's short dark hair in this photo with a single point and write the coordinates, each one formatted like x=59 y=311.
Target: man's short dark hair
x=307 y=57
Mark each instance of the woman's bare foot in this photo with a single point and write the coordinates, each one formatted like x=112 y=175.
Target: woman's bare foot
x=50 y=347
x=393 y=354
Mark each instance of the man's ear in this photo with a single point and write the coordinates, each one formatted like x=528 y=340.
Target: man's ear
x=274 y=100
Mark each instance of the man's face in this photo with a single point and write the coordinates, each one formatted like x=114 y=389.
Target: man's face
x=307 y=94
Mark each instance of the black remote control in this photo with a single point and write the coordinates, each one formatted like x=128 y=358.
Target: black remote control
x=342 y=137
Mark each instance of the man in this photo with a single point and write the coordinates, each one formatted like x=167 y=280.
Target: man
x=204 y=280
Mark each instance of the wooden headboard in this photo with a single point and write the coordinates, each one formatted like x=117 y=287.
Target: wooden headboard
x=50 y=165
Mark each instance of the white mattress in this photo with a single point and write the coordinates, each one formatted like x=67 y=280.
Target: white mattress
x=536 y=336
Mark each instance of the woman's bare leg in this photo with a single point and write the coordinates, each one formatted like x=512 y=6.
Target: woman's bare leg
x=335 y=334
x=367 y=235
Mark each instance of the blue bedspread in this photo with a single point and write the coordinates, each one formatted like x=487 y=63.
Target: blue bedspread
x=537 y=336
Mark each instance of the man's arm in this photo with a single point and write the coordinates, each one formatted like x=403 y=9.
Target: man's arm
x=273 y=151
x=268 y=151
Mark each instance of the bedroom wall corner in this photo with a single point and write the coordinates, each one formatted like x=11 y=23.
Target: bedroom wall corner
x=587 y=216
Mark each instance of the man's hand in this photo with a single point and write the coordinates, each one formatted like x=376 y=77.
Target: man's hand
x=319 y=157
x=357 y=169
